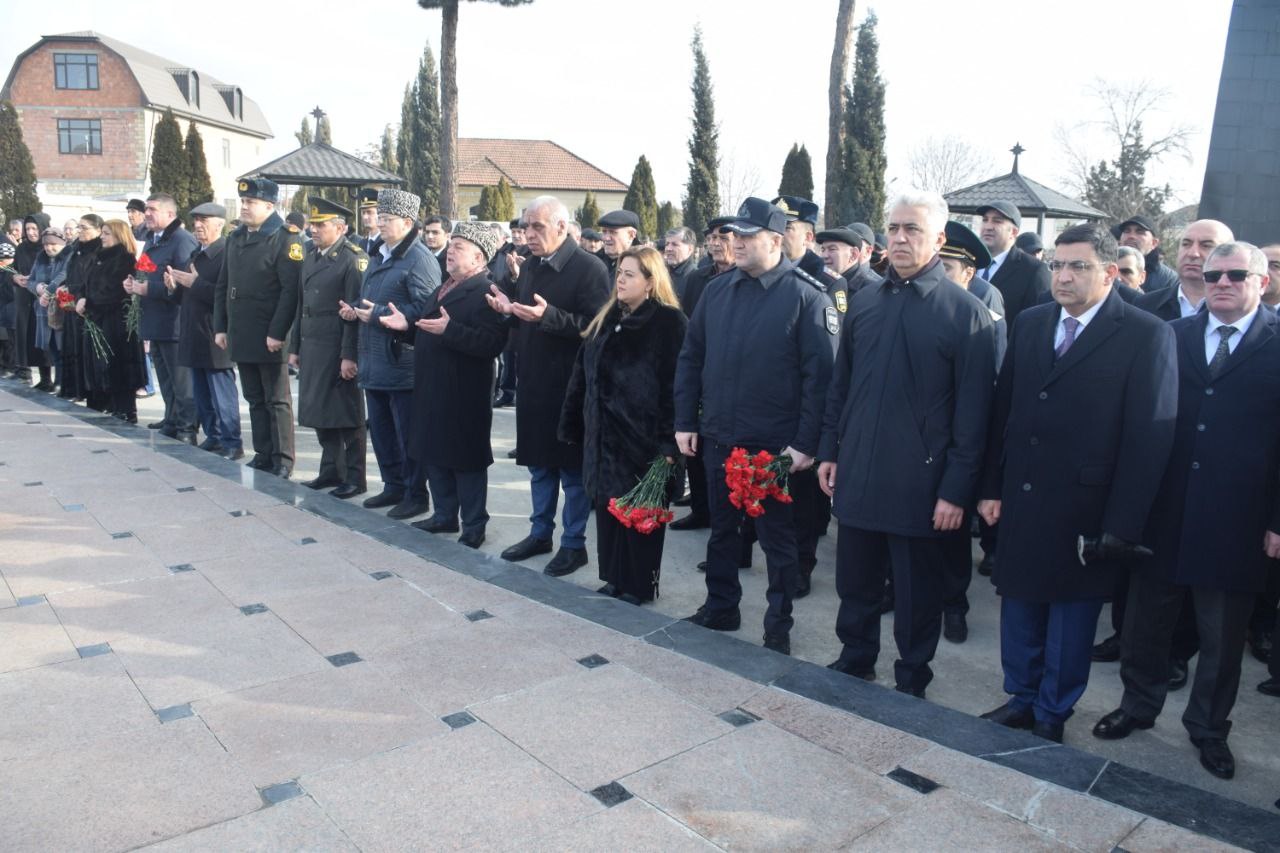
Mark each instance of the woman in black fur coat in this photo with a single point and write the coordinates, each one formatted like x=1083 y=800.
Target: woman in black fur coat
x=113 y=379
x=619 y=408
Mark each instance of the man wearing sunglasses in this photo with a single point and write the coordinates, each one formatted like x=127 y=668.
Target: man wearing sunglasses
x=1216 y=520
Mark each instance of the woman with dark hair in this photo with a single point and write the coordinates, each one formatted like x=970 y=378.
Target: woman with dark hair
x=620 y=408
x=46 y=275
x=80 y=257
x=26 y=355
x=113 y=376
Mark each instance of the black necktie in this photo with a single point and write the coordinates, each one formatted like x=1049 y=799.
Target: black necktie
x=1220 y=356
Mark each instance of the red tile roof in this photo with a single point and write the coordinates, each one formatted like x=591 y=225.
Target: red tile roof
x=529 y=164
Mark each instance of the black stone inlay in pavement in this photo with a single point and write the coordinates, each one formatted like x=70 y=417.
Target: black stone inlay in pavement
x=186 y=488
x=239 y=513
x=477 y=615
x=101 y=450
x=28 y=600
x=611 y=795
x=140 y=470
x=123 y=535
x=280 y=792
x=66 y=435
x=94 y=650
x=593 y=661
x=251 y=609
x=175 y=712
x=182 y=567
x=34 y=483
x=344 y=658
x=738 y=717
x=73 y=508
x=381 y=576
x=306 y=540
x=458 y=720
x=914 y=781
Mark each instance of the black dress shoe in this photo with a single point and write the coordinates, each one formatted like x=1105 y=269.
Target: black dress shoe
x=157 y=425
x=609 y=590
x=628 y=598
x=1048 y=731
x=987 y=565
x=804 y=585
x=1107 y=651
x=1271 y=687
x=566 y=562
x=503 y=400
x=409 y=507
x=917 y=692
x=348 y=490
x=725 y=620
x=261 y=463
x=1119 y=724
x=322 y=483
x=232 y=453
x=281 y=471
x=954 y=627
x=690 y=522
x=168 y=431
x=186 y=437
x=472 y=539
x=684 y=500
x=511 y=454
x=702 y=567
x=1011 y=717
x=886 y=601
x=1177 y=674
x=1260 y=647
x=865 y=673
x=530 y=546
x=383 y=498
x=780 y=643
x=1215 y=756
x=211 y=445
x=436 y=525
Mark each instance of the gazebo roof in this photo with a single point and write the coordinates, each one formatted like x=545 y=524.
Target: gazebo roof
x=1032 y=198
x=322 y=165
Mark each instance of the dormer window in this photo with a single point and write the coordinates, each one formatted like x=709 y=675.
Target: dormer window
x=234 y=100
x=188 y=84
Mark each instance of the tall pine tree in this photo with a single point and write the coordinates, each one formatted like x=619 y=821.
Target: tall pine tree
x=497 y=203
x=199 y=185
x=668 y=218
x=702 y=190
x=589 y=214
x=324 y=133
x=797 y=174
x=424 y=172
x=387 y=150
x=303 y=134
x=404 y=136
x=17 y=171
x=862 y=192
x=170 y=172
x=642 y=197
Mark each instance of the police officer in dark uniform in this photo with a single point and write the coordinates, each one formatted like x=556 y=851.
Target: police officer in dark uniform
x=753 y=373
x=329 y=400
x=254 y=306
x=854 y=245
x=618 y=229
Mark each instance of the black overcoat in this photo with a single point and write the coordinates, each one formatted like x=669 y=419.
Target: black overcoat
x=195 y=315
x=620 y=404
x=1077 y=446
x=257 y=293
x=321 y=339
x=124 y=368
x=1023 y=281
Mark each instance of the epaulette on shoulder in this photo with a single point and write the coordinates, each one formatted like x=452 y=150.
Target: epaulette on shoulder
x=353 y=247
x=805 y=277
x=293 y=229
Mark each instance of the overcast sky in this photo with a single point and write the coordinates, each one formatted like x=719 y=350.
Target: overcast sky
x=610 y=80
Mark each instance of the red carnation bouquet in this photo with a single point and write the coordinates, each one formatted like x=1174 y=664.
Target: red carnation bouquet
x=65 y=300
x=751 y=479
x=133 y=314
x=644 y=508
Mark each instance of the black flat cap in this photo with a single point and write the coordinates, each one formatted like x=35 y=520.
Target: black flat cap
x=1139 y=220
x=717 y=224
x=136 y=204
x=209 y=208
x=1006 y=209
x=840 y=235
x=620 y=219
x=1029 y=241
x=592 y=234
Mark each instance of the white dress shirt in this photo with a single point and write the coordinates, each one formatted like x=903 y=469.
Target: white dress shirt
x=1185 y=306
x=1084 y=319
x=1212 y=338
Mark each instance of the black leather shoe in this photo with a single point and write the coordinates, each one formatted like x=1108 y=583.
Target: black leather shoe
x=348 y=490
x=168 y=431
x=261 y=463
x=954 y=627
x=511 y=454
x=436 y=525
x=566 y=562
x=474 y=539
x=1011 y=716
x=987 y=565
x=917 y=692
x=234 y=453
x=281 y=471
x=1119 y=724
x=527 y=547
x=409 y=507
x=702 y=567
x=609 y=590
x=157 y=425
x=628 y=598
x=683 y=500
x=780 y=643
x=866 y=674
x=1215 y=756
x=690 y=522
x=383 y=498
x=1260 y=646
x=886 y=601
x=804 y=585
x=322 y=483
x=727 y=620
x=1048 y=731
x=210 y=445
x=1177 y=674
x=503 y=400
x=1270 y=687
x=187 y=437
x=1107 y=651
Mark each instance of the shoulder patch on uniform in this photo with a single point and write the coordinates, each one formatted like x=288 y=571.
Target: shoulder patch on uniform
x=832 y=318
x=293 y=229
x=842 y=300
x=804 y=276
x=362 y=263
x=295 y=251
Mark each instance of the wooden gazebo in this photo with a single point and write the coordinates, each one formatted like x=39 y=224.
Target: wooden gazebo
x=1031 y=198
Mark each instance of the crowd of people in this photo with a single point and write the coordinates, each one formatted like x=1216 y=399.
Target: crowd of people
x=1096 y=421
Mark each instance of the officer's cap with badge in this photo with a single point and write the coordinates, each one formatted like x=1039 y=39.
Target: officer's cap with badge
x=368 y=197
x=756 y=215
x=620 y=219
x=964 y=246
x=798 y=209
x=325 y=210
x=260 y=188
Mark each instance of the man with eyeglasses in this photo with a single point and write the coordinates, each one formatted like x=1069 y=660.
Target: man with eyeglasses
x=1080 y=435
x=1217 y=518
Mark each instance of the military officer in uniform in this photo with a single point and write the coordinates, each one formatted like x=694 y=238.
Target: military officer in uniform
x=329 y=400
x=368 y=204
x=254 y=304
x=847 y=253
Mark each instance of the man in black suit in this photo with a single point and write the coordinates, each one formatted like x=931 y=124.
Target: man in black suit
x=1217 y=519
x=435 y=233
x=1020 y=278
x=368 y=219
x=1081 y=433
x=1138 y=232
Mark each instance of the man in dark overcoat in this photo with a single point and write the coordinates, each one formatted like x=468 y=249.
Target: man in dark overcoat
x=329 y=400
x=560 y=288
x=902 y=440
x=1217 y=518
x=455 y=344
x=1080 y=434
x=1021 y=279
x=254 y=305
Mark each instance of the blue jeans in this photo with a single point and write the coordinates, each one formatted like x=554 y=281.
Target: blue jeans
x=545 y=490
x=217 y=405
x=390 y=416
x=1045 y=652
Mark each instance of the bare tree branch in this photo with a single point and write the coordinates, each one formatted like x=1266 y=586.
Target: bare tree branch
x=944 y=163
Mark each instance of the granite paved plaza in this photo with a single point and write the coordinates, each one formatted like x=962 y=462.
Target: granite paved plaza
x=197 y=656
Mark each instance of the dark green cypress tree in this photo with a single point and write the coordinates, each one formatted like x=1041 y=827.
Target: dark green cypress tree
x=668 y=218
x=702 y=191
x=324 y=133
x=387 y=150
x=199 y=185
x=424 y=174
x=404 y=136
x=170 y=172
x=505 y=200
x=17 y=171
x=862 y=194
x=797 y=174
x=589 y=214
x=642 y=197
x=303 y=134
x=487 y=209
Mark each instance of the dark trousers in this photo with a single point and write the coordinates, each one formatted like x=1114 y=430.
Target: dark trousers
x=342 y=451
x=460 y=493
x=810 y=507
x=776 y=532
x=919 y=570
x=217 y=405
x=390 y=419
x=698 y=486
x=1263 y=621
x=544 y=492
x=1185 y=642
x=1044 y=651
x=630 y=560
x=266 y=390
x=175 y=386
x=1222 y=621
x=959 y=549
x=507 y=380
